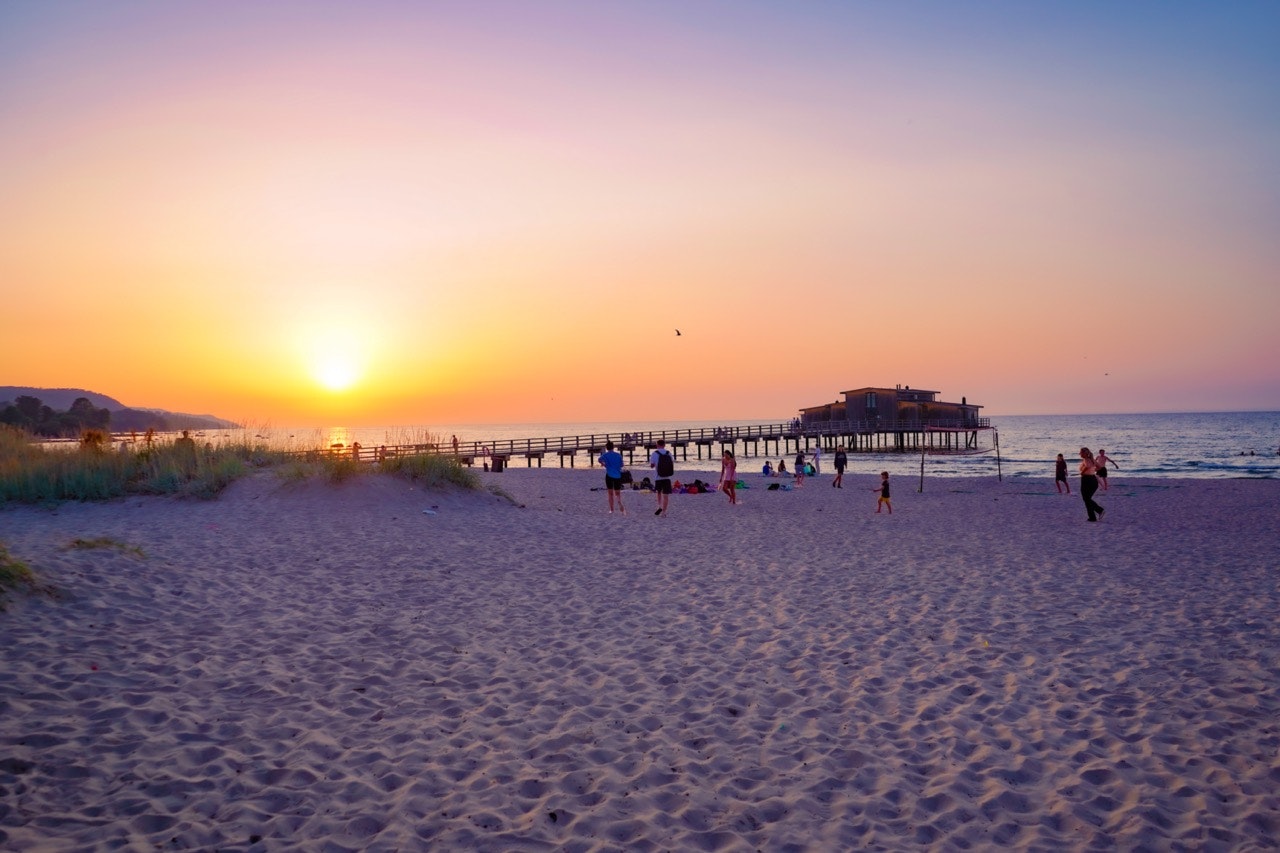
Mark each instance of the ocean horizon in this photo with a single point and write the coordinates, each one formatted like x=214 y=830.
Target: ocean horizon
x=1163 y=444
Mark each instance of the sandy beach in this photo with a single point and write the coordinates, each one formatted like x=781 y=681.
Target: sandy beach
x=371 y=666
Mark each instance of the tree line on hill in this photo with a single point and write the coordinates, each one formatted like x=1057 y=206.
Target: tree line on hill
x=31 y=414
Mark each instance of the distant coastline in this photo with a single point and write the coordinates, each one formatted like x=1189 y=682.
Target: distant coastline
x=123 y=418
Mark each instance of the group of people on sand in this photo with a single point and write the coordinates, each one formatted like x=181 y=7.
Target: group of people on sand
x=662 y=461
x=809 y=466
x=1093 y=472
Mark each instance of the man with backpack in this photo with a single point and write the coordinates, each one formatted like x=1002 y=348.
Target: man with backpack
x=664 y=466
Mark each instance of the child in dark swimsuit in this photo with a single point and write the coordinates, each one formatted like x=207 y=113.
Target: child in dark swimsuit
x=884 y=493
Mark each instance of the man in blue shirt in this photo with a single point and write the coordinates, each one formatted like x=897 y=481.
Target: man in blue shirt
x=612 y=462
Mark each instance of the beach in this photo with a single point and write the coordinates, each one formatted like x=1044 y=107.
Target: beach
x=372 y=666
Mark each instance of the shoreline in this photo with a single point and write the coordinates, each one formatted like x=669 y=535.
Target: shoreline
x=372 y=665
x=1165 y=445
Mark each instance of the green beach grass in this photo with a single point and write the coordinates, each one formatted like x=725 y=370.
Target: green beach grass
x=34 y=474
x=80 y=544
x=14 y=575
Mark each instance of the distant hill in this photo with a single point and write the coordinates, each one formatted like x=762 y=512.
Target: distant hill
x=59 y=399
x=123 y=418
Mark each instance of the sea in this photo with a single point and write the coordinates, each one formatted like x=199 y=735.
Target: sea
x=1195 y=445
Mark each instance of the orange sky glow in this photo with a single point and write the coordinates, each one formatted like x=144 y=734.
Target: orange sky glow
x=395 y=213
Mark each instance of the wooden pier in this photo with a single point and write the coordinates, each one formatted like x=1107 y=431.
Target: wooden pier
x=777 y=439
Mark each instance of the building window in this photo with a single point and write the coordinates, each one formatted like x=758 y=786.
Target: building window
x=871 y=399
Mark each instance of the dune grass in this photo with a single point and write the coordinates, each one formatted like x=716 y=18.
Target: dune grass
x=427 y=469
x=14 y=575
x=431 y=470
x=31 y=473
x=104 y=542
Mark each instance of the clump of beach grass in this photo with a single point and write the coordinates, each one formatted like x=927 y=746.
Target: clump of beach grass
x=339 y=468
x=32 y=473
x=14 y=575
x=431 y=470
x=334 y=467
x=426 y=468
x=91 y=470
x=79 y=544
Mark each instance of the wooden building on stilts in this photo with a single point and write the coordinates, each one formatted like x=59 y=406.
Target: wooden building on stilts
x=900 y=419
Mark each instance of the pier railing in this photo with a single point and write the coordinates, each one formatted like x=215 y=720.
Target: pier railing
x=866 y=435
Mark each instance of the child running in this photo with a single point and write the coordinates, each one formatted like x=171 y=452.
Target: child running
x=1060 y=475
x=884 y=493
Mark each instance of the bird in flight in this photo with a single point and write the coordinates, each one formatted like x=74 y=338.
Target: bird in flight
x=677 y=333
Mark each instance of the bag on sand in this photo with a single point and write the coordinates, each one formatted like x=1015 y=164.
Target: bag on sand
x=666 y=465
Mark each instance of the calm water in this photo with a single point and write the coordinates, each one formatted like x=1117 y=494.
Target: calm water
x=1218 y=444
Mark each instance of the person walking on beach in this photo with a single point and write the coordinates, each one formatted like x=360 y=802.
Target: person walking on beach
x=1103 y=461
x=884 y=493
x=729 y=475
x=841 y=461
x=799 y=469
x=1089 y=484
x=1060 y=475
x=612 y=462
x=664 y=466
x=184 y=449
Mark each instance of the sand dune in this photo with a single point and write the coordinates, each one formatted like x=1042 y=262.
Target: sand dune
x=374 y=667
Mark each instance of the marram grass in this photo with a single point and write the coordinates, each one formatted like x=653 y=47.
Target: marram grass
x=14 y=575
x=431 y=470
x=31 y=473
x=79 y=544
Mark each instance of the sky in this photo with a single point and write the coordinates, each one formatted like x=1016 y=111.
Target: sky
x=386 y=212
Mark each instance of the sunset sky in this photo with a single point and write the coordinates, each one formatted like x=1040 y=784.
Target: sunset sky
x=430 y=212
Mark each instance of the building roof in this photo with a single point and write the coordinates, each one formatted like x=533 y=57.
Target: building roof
x=894 y=390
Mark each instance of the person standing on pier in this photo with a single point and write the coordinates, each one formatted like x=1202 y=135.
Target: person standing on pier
x=612 y=462
x=664 y=467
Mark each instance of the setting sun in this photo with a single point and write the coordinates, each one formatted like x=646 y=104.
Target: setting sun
x=364 y=245
x=336 y=358
x=336 y=372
